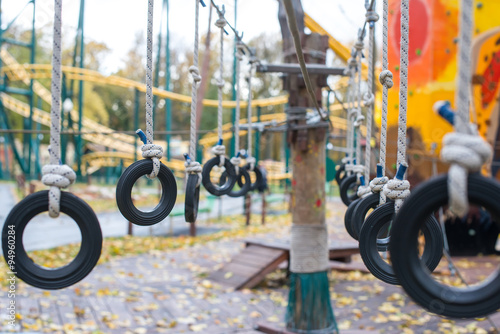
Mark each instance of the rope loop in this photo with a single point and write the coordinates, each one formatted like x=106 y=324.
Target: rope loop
x=397 y=190
x=236 y=161
x=359 y=120
x=359 y=45
x=252 y=161
x=221 y=21
x=220 y=83
x=154 y=152
x=194 y=167
x=363 y=190
x=220 y=150
x=378 y=183
x=195 y=73
x=56 y=177
x=385 y=79
x=466 y=153
x=368 y=99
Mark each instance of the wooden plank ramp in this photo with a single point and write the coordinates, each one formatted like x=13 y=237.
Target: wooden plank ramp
x=262 y=256
x=272 y=329
x=249 y=268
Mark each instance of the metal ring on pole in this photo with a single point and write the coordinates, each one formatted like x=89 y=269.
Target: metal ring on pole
x=218 y=190
x=192 y=198
x=124 y=193
x=50 y=278
x=370 y=235
x=348 y=185
x=470 y=302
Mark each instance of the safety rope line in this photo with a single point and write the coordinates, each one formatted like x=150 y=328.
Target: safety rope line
x=55 y=174
x=385 y=78
x=294 y=30
x=464 y=149
x=193 y=166
x=220 y=149
x=149 y=149
x=250 y=159
x=398 y=188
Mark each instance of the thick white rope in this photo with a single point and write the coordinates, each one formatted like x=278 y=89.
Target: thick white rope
x=150 y=150
x=309 y=248
x=236 y=160
x=385 y=78
x=398 y=188
x=55 y=175
x=464 y=148
x=193 y=166
x=220 y=149
x=250 y=159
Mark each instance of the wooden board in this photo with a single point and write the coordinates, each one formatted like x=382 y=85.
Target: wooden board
x=249 y=268
x=273 y=329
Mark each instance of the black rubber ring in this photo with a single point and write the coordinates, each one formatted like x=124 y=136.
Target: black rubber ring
x=340 y=174
x=349 y=183
x=258 y=178
x=41 y=277
x=213 y=188
x=192 y=198
x=370 y=232
x=359 y=213
x=348 y=218
x=471 y=302
x=244 y=186
x=124 y=193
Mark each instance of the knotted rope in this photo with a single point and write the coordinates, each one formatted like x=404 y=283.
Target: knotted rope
x=220 y=149
x=150 y=150
x=193 y=166
x=464 y=148
x=398 y=189
x=385 y=78
x=55 y=175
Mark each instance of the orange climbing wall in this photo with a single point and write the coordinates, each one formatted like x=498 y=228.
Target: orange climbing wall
x=432 y=73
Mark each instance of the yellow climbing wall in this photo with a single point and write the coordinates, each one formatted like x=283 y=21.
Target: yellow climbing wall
x=432 y=73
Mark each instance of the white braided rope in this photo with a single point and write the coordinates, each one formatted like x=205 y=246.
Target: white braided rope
x=55 y=175
x=220 y=23
x=403 y=82
x=464 y=149
x=369 y=98
x=308 y=248
x=350 y=125
x=150 y=150
x=250 y=114
x=357 y=124
x=193 y=166
x=398 y=189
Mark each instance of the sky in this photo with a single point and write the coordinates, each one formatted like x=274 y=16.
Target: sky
x=116 y=22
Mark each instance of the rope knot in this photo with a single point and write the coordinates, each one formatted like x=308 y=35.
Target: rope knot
x=372 y=16
x=357 y=169
x=466 y=153
x=385 y=79
x=155 y=153
x=359 y=45
x=195 y=73
x=378 y=183
x=220 y=83
x=252 y=162
x=221 y=22
x=352 y=62
x=363 y=190
x=57 y=177
x=359 y=120
x=397 y=189
x=368 y=99
x=220 y=151
x=236 y=161
x=193 y=167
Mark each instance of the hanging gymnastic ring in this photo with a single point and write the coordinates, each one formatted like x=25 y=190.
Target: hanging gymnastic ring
x=192 y=198
x=358 y=216
x=349 y=183
x=124 y=193
x=41 y=277
x=227 y=186
x=244 y=186
x=258 y=177
x=475 y=301
x=340 y=173
x=348 y=218
x=369 y=243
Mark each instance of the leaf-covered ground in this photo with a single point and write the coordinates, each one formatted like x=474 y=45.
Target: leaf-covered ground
x=160 y=285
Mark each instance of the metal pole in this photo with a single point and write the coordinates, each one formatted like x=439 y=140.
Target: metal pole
x=257 y=136
x=168 y=105
x=78 y=151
